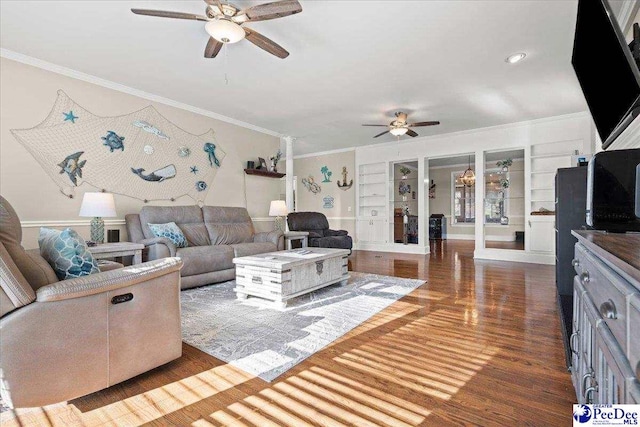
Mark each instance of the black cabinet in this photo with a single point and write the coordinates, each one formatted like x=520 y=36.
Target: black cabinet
x=437 y=224
x=571 y=205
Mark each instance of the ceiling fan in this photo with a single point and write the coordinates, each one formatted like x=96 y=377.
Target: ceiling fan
x=224 y=23
x=400 y=126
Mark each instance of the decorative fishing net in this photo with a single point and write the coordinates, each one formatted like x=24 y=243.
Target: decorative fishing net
x=141 y=154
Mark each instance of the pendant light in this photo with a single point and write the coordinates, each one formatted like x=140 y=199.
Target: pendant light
x=468 y=178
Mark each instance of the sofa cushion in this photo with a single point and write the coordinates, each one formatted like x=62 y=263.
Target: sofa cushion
x=67 y=253
x=204 y=259
x=171 y=231
x=188 y=218
x=248 y=249
x=227 y=225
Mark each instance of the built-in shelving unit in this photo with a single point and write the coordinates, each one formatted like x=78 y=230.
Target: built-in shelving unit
x=372 y=203
x=546 y=159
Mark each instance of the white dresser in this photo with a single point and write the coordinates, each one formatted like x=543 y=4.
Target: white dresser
x=605 y=344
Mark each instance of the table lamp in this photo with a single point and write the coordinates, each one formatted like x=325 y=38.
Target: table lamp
x=278 y=209
x=98 y=206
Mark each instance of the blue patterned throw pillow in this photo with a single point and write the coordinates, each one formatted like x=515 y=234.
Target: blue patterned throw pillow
x=67 y=253
x=171 y=231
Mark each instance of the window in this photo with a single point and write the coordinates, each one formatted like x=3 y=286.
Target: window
x=464 y=201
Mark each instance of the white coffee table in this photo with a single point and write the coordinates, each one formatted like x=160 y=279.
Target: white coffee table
x=281 y=276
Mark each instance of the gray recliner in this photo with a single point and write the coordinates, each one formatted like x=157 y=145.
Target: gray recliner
x=320 y=235
x=64 y=339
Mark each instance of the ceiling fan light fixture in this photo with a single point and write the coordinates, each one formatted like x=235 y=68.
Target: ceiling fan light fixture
x=516 y=57
x=399 y=131
x=224 y=30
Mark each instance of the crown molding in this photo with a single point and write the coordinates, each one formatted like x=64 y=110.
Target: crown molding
x=324 y=153
x=58 y=69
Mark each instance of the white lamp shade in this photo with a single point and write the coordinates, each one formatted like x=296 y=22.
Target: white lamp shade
x=98 y=205
x=398 y=131
x=225 y=31
x=278 y=208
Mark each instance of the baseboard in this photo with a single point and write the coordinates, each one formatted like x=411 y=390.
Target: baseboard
x=515 y=256
x=473 y=237
x=392 y=247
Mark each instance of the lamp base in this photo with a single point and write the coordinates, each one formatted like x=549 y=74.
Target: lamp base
x=97 y=230
x=279 y=223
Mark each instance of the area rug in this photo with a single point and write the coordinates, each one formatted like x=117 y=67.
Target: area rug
x=266 y=341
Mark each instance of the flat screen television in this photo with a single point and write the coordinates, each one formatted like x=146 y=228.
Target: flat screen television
x=608 y=74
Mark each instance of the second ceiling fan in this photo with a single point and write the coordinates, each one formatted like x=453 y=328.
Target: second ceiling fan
x=224 y=23
x=400 y=126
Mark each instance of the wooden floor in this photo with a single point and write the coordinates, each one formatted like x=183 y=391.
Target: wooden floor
x=478 y=344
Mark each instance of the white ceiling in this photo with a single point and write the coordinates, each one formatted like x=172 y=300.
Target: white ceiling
x=351 y=62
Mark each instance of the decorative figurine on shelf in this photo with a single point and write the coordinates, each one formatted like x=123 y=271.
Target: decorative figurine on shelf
x=505 y=164
x=344 y=186
x=432 y=190
x=404 y=189
x=504 y=183
x=274 y=161
x=404 y=171
x=327 y=174
x=405 y=224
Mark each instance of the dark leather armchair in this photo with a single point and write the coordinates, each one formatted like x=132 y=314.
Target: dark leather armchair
x=320 y=235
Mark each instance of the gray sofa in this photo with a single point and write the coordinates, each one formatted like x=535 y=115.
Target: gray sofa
x=215 y=235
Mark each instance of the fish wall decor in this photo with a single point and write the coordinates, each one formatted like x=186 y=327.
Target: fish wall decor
x=140 y=154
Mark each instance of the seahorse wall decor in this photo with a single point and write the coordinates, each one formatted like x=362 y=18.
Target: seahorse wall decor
x=344 y=186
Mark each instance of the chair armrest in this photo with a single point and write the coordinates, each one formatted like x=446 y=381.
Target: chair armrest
x=333 y=233
x=276 y=237
x=149 y=244
x=107 y=281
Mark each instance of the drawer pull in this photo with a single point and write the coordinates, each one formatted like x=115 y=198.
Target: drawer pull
x=575 y=262
x=576 y=334
x=608 y=310
x=319 y=267
x=585 y=377
x=256 y=279
x=584 y=277
x=588 y=394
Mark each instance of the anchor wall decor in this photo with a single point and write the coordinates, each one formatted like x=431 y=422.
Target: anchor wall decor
x=344 y=186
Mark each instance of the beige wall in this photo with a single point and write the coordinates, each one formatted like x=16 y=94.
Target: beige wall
x=342 y=215
x=442 y=177
x=27 y=96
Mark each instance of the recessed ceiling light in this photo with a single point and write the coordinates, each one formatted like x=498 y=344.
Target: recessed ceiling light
x=516 y=57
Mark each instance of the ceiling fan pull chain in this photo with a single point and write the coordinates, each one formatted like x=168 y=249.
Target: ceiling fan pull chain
x=226 y=64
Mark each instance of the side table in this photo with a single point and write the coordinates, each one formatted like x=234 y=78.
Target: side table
x=119 y=249
x=290 y=236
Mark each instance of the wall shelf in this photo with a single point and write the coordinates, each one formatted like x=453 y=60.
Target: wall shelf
x=261 y=172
